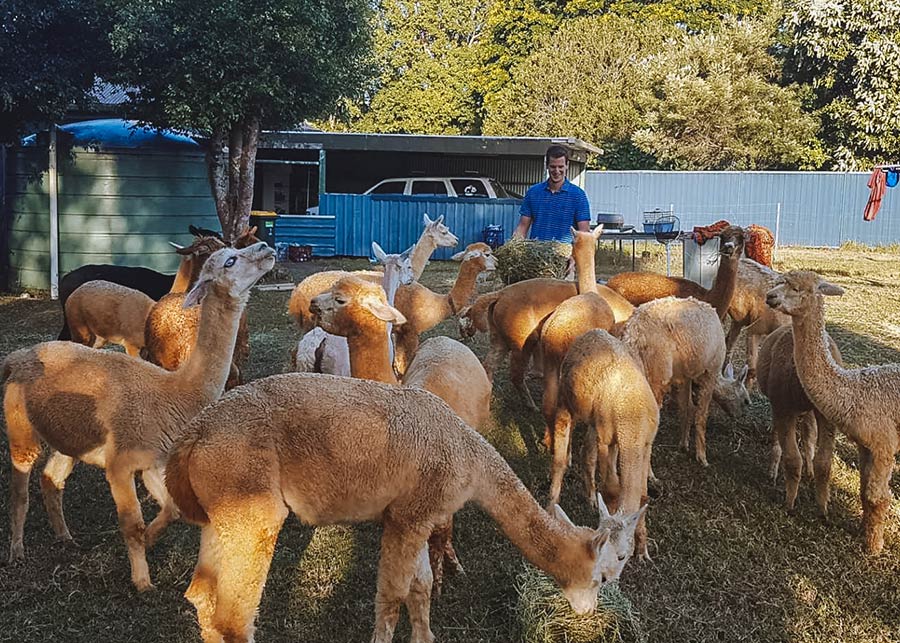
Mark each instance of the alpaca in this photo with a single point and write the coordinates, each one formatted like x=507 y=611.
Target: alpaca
x=101 y=312
x=778 y=381
x=355 y=309
x=641 y=287
x=603 y=385
x=863 y=403
x=345 y=450
x=435 y=235
x=749 y=310
x=571 y=319
x=107 y=409
x=474 y=318
x=424 y=309
x=680 y=343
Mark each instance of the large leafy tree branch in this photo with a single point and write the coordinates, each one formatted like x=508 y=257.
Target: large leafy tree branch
x=229 y=69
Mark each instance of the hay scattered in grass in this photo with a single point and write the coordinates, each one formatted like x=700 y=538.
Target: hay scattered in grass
x=546 y=617
x=520 y=259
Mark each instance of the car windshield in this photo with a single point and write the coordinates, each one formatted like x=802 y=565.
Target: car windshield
x=502 y=192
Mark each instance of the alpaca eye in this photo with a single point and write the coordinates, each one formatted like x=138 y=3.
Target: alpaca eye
x=340 y=300
x=230 y=262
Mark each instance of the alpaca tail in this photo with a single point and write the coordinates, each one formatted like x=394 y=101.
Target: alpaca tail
x=178 y=480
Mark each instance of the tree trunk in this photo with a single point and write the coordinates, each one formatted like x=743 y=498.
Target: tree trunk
x=231 y=168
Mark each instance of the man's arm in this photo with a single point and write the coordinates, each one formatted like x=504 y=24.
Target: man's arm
x=522 y=229
x=583 y=213
x=583 y=226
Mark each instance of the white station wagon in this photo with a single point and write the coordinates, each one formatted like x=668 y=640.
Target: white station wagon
x=459 y=186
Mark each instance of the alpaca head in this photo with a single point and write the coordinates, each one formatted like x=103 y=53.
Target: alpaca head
x=201 y=248
x=585 y=239
x=231 y=272
x=798 y=291
x=354 y=306
x=246 y=239
x=730 y=392
x=439 y=233
x=400 y=264
x=731 y=241
x=479 y=254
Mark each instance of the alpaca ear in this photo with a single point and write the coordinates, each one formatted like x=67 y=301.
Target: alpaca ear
x=598 y=231
x=440 y=219
x=383 y=311
x=459 y=256
x=601 y=506
x=827 y=288
x=600 y=538
x=632 y=521
x=425 y=219
x=572 y=230
x=380 y=255
x=729 y=371
x=196 y=294
x=558 y=513
x=176 y=246
x=408 y=252
x=742 y=375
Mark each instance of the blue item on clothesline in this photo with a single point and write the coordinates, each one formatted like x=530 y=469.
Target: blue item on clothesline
x=893 y=177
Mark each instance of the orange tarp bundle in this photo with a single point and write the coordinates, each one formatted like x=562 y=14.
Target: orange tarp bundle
x=758 y=242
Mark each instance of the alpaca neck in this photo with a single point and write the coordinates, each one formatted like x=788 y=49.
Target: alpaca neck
x=540 y=537
x=722 y=291
x=824 y=381
x=584 y=266
x=206 y=368
x=464 y=287
x=185 y=275
x=425 y=246
x=391 y=282
x=370 y=356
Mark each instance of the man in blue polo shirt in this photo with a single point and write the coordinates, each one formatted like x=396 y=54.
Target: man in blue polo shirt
x=554 y=206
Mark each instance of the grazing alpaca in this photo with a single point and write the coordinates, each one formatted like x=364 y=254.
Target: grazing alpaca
x=112 y=411
x=571 y=319
x=749 y=310
x=101 y=312
x=345 y=450
x=603 y=385
x=435 y=235
x=863 y=403
x=424 y=309
x=474 y=319
x=356 y=310
x=778 y=381
x=641 y=287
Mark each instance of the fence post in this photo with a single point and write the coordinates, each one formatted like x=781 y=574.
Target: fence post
x=53 y=188
x=777 y=231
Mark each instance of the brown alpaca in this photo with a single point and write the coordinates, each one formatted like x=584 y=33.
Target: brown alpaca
x=571 y=319
x=344 y=450
x=424 y=309
x=778 y=381
x=112 y=411
x=170 y=331
x=603 y=385
x=101 y=312
x=435 y=235
x=749 y=310
x=517 y=316
x=359 y=311
x=641 y=287
x=863 y=403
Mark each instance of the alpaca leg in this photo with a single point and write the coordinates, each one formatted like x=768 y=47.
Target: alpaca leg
x=495 y=355
x=701 y=413
x=793 y=462
x=548 y=402
x=518 y=361
x=441 y=555
x=610 y=477
x=591 y=454
x=752 y=355
x=24 y=450
x=878 y=494
x=775 y=450
x=562 y=428
x=53 y=481
x=245 y=538
x=168 y=511
x=632 y=469
x=202 y=591
x=401 y=560
x=131 y=522
x=685 y=413
x=823 y=460
x=808 y=431
x=418 y=603
x=733 y=331
x=132 y=349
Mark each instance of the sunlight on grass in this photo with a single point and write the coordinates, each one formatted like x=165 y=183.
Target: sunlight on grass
x=325 y=564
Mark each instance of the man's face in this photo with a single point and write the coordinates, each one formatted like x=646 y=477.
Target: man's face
x=557 y=168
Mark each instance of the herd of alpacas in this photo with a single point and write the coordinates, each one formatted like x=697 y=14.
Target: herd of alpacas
x=374 y=425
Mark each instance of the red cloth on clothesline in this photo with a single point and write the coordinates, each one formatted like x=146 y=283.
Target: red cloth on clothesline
x=877 y=185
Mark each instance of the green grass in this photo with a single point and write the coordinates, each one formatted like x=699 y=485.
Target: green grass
x=729 y=563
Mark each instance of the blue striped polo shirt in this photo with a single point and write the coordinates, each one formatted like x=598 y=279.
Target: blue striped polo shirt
x=554 y=213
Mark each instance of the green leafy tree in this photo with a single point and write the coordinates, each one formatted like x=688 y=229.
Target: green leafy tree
x=584 y=81
x=715 y=103
x=848 y=51
x=228 y=69
x=50 y=53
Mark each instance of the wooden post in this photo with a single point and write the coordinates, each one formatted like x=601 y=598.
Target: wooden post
x=53 y=187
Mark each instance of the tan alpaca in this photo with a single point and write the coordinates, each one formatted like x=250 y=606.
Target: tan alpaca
x=345 y=450
x=571 y=319
x=474 y=318
x=435 y=235
x=192 y=259
x=358 y=311
x=112 y=411
x=641 y=287
x=170 y=331
x=516 y=317
x=101 y=312
x=863 y=403
x=603 y=385
x=424 y=309
x=749 y=310
x=791 y=407
x=681 y=344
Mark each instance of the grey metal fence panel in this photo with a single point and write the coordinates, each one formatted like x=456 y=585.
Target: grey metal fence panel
x=811 y=208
